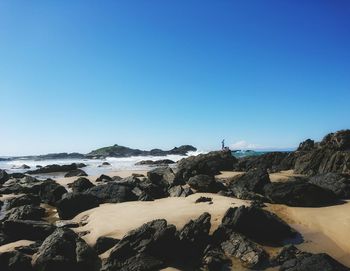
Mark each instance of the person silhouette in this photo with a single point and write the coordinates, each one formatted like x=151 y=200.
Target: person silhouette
x=223 y=144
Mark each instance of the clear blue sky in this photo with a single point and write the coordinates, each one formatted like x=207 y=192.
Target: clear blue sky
x=77 y=75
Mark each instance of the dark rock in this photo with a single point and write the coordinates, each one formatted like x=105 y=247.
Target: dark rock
x=205 y=183
x=25 y=212
x=76 y=173
x=80 y=185
x=72 y=204
x=252 y=181
x=50 y=192
x=287 y=253
x=104 y=243
x=143 y=248
x=209 y=164
x=104 y=178
x=313 y=262
x=3 y=176
x=163 y=176
x=117 y=178
x=179 y=191
x=163 y=162
x=339 y=140
x=214 y=259
x=24 y=166
x=16 y=175
x=306 y=145
x=250 y=254
x=112 y=192
x=28 y=199
x=55 y=168
x=299 y=193
x=255 y=223
x=336 y=182
x=204 y=199
x=30 y=249
x=27 y=229
x=153 y=191
x=15 y=261
x=106 y=164
x=65 y=250
x=138 y=175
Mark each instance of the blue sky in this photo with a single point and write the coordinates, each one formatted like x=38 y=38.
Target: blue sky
x=77 y=75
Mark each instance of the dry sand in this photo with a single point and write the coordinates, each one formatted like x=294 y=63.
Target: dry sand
x=325 y=229
x=115 y=220
x=12 y=246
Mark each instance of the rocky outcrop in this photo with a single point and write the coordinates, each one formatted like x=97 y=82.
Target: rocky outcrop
x=205 y=183
x=56 y=168
x=299 y=193
x=104 y=179
x=255 y=223
x=112 y=192
x=209 y=164
x=163 y=176
x=121 y=151
x=179 y=191
x=50 y=192
x=3 y=176
x=306 y=145
x=28 y=199
x=339 y=140
x=163 y=162
x=65 y=250
x=15 y=261
x=72 y=204
x=76 y=173
x=104 y=243
x=80 y=185
x=338 y=183
x=25 y=212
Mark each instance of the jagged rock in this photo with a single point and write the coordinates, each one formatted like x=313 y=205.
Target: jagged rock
x=209 y=164
x=336 y=182
x=163 y=176
x=80 y=185
x=30 y=249
x=255 y=223
x=205 y=183
x=15 y=261
x=104 y=243
x=106 y=164
x=112 y=192
x=313 y=262
x=214 y=259
x=76 y=173
x=50 y=192
x=72 y=204
x=27 y=229
x=56 y=168
x=104 y=178
x=306 y=145
x=299 y=193
x=28 y=199
x=25 y=212
x=287 y=253
x=3 y=176
x=194 y=237
x=339 y=140
x=143 y=248
x=153 y=191
x=250 y=254
x=252 y=181
x=65 y=250
x=179 y=191
x=163 y=162
x=204 y=199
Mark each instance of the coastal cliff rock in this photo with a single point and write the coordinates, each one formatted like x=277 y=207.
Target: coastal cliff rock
x=208 y=164
x=338 y=183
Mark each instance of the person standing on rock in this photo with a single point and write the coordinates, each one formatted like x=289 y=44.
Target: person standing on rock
x=223 y=144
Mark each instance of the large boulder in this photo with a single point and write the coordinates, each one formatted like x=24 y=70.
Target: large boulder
x=339 y=140
x=104 y=179
x=28 y=199
x=143 y=248
x=104 y=243
x=179 y=191
x=55 y=168
x=65 y=250
x=215 y=259
x=74 y=203
x=252 y=181
x=3 y=176
x=163 y=176
x=205 y=183
x=299 y=193
x=249 y=253
x=50 y=192
x=15 y=261
x=75 y=173
x=112 y=192
x=25 y=212
x=209 y=164
x=80 y=185
x=255 y=223
x=336 y=182
x=27 y=229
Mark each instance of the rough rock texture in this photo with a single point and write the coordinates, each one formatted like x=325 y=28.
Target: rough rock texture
x=214 y=259
x=339 y=140
x=255 y=223
x=205 y=183
x=252 y=181
x=50 y=192
x=104 y=178
x=15 y=261
x=209 y=164
x=162 y=162
x=179 y=191
x=27 y=229
x=25 y=212
x=65 y=250
x=306 y=145
x=163 y=176
x=72 y=204
x=299 y=193
x=336 y=182
x=80 y=185
x=3 y=176
x=250 y=254
x=28 y=199
x=112 y=192
x=104 y=243
x=75 y=173
x=55 y=168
